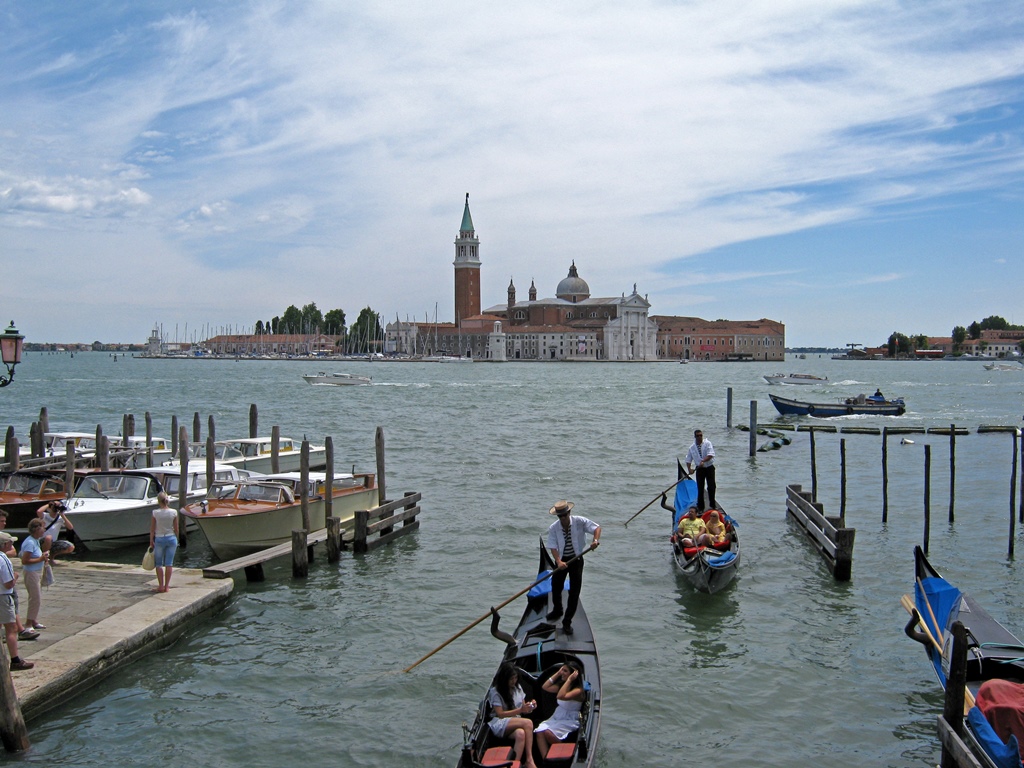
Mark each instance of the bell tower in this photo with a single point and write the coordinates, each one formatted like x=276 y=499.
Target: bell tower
x=467 y=269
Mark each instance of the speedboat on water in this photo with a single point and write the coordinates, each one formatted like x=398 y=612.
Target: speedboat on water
x=795 y=378
x=845 y=407
x=336 y=379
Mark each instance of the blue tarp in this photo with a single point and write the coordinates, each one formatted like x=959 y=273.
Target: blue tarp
x=943 y=598
x=686 y=497
x=1004 y=755
x=544 y=588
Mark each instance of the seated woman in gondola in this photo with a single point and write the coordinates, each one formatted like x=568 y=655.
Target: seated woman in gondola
x=567 y=684
x=716 y=528
x=511 y=713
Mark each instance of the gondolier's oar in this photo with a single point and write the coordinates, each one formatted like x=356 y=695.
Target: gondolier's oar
x=518 y=594
x=684 y=476
x=908 y=603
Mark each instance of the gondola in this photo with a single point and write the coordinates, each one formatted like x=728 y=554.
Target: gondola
x=995 y=661
x=709 y=569
x=538 y=649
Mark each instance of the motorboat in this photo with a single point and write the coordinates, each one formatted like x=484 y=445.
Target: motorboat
x=994 y=712
x=859 y=405
x=454 y=359
x=255 y=454
x=709 y=568
x=795 y=378
x=238 y=518
x=1004 y=367
x=22 y=492
x=336 y=379
x=538 y=650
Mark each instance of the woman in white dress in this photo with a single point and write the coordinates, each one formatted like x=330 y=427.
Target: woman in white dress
x=511 y=713
x=567 y=683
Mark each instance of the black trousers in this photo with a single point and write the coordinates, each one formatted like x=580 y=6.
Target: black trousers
x=575 y=574
x=706 y=476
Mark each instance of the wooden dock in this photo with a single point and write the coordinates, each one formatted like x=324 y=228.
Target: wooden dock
x=827 y=534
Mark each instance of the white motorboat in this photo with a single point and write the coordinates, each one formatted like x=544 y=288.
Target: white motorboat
x=246 y=517
x=1004 y=367
x=336 y=379
x=454 y=359
x=795 y=378
x=254 y=454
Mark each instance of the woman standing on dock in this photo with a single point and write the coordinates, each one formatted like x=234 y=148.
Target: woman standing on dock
x=32 y=560
x=163 y=540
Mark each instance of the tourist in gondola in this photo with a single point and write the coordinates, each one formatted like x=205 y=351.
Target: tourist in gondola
x=692 y=530
x=567 y=684
x=511 y=709
x=716 y=528
x=702 y=454
x=566 y=539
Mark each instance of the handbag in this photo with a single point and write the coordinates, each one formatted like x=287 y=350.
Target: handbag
x=47 y=575
x=148 y=561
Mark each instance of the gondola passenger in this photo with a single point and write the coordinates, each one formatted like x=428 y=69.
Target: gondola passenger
x=511 y=713
x=716 y=528
x=567 y=684
x=692 y=530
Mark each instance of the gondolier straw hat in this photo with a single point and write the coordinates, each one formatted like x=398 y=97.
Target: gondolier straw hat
x=561 y=507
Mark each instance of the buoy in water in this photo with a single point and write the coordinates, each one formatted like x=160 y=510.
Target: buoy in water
x=904 y=441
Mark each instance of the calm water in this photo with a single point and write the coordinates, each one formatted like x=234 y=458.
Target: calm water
x=314 y=668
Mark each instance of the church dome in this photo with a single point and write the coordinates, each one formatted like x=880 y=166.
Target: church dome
x=573 y=288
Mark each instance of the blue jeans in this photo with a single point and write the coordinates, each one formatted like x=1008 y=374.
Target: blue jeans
x=164 y=548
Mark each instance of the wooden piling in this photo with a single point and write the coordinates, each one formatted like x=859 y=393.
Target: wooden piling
x=300 y=555
x=952 y=469
x=196 y=424
x=752 y=448
x=124 y=427
x=149 y=440
x=378 y=442
x=44 y=420
x=814 y=470
x=275 y=449
x=842 y=479
x=927 y=495
x=333 y=540
x=102 y=449
x=1021 y=515
x=254 y=421
x=130 y=432
x=1013 y=500
x=36 y=440
x=211 y=461
x=13 y=450
x=174 y=435
x=182 y=485
x=69 y=468
x=728 y=408
x=211 y=428
x=304 y=485
x=329 y=479
x=885 y=474
x=13 y=731
x=956 y=679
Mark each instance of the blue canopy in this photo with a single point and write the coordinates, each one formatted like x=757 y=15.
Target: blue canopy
x=686 y=497
x=944 y=599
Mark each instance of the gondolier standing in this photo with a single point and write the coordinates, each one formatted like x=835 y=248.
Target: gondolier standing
x=702 y=453
x=567 y=537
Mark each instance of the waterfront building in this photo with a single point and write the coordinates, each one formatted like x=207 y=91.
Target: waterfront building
x=692 y=338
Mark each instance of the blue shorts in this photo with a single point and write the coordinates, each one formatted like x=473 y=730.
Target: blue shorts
x=164 y=548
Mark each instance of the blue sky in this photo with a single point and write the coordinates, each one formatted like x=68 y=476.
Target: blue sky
x=848 y=168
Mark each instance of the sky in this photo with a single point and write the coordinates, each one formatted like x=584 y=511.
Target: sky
x=850 y=168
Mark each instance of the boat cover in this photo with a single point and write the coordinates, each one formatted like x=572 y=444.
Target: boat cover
x=686 y=497
x=1002 y=704
x=723 y=559
x=544 y=588
x=943 y=598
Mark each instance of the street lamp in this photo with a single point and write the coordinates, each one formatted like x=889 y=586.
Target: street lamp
x=11 y=343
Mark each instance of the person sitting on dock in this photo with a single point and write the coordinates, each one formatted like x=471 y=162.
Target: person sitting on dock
x=8 y=604
x=511 y=711
x=693 y=530
x=52 y=514
x=567 y=684
x=716 y=528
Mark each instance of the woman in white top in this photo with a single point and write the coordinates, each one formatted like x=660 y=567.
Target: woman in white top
x=568 y=684
x=163 y=540
x=511 y=713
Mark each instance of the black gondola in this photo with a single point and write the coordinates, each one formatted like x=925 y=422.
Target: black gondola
x=709 y=569
x=994 y=657
x=538 y=649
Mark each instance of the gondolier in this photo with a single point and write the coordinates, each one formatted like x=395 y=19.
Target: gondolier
x=566 y=540
x=702 y=454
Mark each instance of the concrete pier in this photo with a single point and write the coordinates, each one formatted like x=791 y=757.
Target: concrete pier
x=100 y=617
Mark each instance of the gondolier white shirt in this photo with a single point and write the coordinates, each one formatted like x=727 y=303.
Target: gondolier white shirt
x=579 y=527
x=698 y=452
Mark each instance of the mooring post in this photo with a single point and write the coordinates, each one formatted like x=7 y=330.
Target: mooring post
x=254 y=421
x=36 y=440
x=333 y=539
x=44 y=420
x=842 y=480
x=211 y=461
x=304 y=485
x=69 y=467
x=378 y=442
x=182 y=485
x=275 y=449
x=362 y=521
x=753 y=427
x=1020 y=433
x=956 y=679
x=124 y=428
x=814 y=469
x=328 y=477
x=131 y=428
x=174 y=436
x=13 y=731
x=11 y=449
x=1013 y=500
x=196 y=423
x=952 y=468
x=885 y=474
x=728 y=408
x=149 y=440
x=103 y=449
x=300 y=555
x=927 y=495
x=211 y=428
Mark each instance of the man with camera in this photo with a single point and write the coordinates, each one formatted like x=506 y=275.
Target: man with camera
x=53 y=517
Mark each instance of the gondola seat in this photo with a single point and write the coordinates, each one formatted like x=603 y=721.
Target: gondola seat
x=562 y=751
x=496 y=756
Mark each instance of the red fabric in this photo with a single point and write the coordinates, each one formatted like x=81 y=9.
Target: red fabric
x=1002 y=703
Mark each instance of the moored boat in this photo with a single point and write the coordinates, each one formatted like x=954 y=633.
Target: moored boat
x=1017 y=366
x=538 y=651
x=707 y=568
x=795 y=378
x=22 y=492
x=995 y=662
x=859 y=405
x=336 y=379
x=239 y=518
x=255 y=454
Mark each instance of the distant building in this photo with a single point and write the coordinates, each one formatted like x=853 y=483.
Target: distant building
x=249 y=344
x=691 y=338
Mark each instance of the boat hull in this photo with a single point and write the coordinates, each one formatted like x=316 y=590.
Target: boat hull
x=710 y=570
x=538 y=650
x=795 y=378
x=239 y=532
x=789 y=407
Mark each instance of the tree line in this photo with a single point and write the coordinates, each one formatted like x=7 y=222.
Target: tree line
x=365 y=334
x=900 y=344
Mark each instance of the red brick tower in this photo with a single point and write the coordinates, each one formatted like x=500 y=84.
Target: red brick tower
x=467 y=269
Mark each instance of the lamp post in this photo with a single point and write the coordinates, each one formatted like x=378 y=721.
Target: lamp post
x=11 y=343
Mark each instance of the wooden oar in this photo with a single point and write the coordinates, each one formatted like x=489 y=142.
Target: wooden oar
x=645 y=506
x=908 y=603
x=518 y=594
